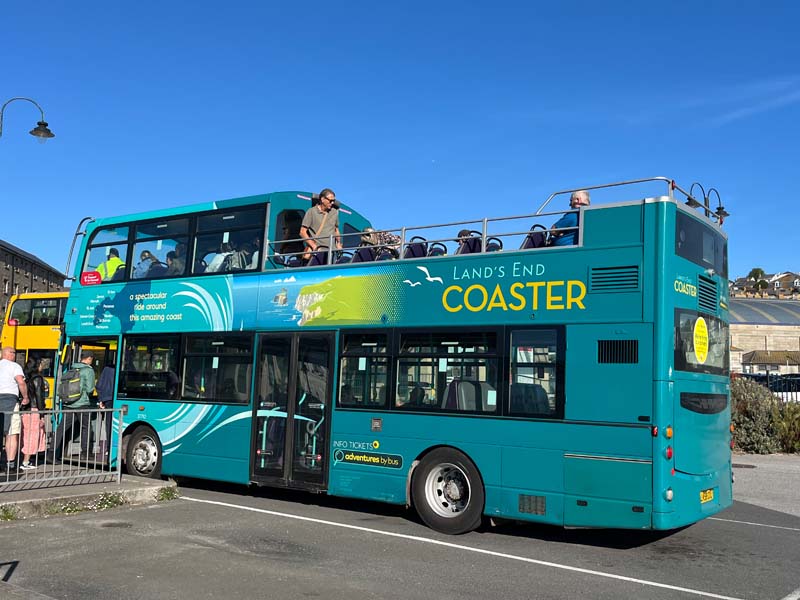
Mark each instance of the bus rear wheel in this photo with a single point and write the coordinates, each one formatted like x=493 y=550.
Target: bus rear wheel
x=143 y=456
x=448 y=492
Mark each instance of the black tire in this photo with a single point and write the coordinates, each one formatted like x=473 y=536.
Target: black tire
x=448 y=492
x=143 y=454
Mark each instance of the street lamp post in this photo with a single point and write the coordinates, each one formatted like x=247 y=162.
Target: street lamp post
x=40 y=132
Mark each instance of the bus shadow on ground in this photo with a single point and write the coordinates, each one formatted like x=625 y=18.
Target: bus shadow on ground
x=615 y=539
x=375 y=512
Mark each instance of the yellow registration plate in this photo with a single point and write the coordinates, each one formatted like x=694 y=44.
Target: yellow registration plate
x=706 y=496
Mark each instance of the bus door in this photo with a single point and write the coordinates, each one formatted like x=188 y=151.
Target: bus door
x=292 y=409
x=104 y=350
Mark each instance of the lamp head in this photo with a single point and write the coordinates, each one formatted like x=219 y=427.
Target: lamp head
x=692 y=202
x=41 y=132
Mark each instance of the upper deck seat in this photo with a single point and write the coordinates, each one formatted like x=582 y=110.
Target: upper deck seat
x=437 y=249
x=364 y=254
x=386 y=253
x=318 y=258
x=469 y=242
x=417 y=247
x=157 y=269
x=494 y=244
x=535 y=238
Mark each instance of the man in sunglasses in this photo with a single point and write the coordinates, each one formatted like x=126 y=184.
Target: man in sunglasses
x=320 y=222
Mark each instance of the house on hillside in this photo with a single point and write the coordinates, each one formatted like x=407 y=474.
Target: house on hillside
x=777 y=285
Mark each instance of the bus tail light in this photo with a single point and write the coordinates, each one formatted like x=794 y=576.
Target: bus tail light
x=668 y=494
x=655 y=430
x=732 y=444
x=668 y=432
x=13 y=322
x=733 y=428
x=668 y=452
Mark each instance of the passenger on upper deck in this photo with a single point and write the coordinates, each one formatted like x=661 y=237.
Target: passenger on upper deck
x=291 y=243
x=568 y=237
x=109 y=268
x=175 y=264
x=143 y=266
x=321 y=221
x=216 y=261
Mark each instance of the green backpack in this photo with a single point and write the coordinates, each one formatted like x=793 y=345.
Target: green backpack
x=69 y=388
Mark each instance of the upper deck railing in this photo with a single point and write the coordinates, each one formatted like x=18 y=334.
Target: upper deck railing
x=522 y=232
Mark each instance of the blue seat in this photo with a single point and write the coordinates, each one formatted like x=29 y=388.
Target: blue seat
x=469 y=243
x=417 y=247
x=364 y=254
x=494 y=244
x=535 y=238
x=437 y=249
x=318 y=258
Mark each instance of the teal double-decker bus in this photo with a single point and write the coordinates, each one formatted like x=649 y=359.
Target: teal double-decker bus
x=471 y=370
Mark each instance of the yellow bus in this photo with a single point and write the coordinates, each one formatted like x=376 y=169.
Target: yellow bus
x=32 y=325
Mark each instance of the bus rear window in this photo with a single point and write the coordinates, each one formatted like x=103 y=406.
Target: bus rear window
x=699 y=243
x=701 y=343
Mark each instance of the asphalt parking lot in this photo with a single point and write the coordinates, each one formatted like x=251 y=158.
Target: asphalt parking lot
x=226 y=541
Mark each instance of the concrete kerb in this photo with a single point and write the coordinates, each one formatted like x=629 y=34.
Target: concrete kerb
x=69 y=499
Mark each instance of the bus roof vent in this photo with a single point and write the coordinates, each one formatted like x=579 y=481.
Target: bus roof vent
x=618 y=351
x=614 y=279
x=707 y=295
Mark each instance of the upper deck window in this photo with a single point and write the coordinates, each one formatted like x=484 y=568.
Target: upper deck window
x=216 y=241
x=701 y=244
x=229 y=241
x=160 y=248
x=21 y=311
x=108 y=253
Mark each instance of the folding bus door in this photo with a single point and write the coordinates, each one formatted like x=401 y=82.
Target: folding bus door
x=292 y=409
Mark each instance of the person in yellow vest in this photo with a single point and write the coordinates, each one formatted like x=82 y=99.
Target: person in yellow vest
x=109 y=268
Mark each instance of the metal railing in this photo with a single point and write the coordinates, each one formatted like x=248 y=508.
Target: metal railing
x=446 y=239
x=50 y=448
x=492 y=234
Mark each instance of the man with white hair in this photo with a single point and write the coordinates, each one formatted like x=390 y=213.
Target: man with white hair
x=12 y=386
x=564 y=232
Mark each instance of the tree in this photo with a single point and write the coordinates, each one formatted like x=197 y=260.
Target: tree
x=756 y=274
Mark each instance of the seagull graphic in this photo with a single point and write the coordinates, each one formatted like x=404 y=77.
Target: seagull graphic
x=412 y=284
x=428 y=275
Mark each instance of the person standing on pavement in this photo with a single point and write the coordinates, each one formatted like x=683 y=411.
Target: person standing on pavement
x=33 y=435
x=105 y=399
x=12 y=388
x=82 y=419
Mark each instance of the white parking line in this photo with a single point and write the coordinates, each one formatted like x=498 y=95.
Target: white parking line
x=468 y=549
x=756 y=524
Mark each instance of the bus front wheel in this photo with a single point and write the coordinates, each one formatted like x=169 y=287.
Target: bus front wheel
x=448 y=492
x=143 y=456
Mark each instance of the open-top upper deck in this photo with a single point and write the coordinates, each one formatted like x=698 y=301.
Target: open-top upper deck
x=360 y=242
x=502 y=268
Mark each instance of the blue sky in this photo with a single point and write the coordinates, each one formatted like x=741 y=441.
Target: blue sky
x=412 y=112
